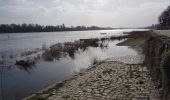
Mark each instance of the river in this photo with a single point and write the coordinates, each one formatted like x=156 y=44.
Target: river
x=17 y=82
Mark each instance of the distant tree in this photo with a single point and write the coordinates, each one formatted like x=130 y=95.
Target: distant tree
x=164 y=18
x=63 y=26
x=14 y=28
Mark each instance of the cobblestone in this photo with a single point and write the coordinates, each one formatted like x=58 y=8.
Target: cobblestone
x=113 y=79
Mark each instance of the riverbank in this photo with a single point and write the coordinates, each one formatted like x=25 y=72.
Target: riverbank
x=38 y=74
x=114 y=78
x=110 y=79
x=157 y=56
x=157 y=60
x=137 y=40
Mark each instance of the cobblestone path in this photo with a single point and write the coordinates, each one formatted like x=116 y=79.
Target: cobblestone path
x=112 y=79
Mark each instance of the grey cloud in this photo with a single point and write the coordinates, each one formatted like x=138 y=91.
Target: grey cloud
x=115 y=13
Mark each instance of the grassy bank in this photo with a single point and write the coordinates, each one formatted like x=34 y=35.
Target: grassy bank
x=136 y=40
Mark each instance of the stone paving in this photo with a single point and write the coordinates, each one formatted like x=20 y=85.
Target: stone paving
x=111 y=79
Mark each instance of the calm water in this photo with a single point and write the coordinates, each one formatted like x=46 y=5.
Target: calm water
x=17 y=82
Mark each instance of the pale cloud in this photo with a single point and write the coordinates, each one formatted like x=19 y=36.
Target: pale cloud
x=115 y=13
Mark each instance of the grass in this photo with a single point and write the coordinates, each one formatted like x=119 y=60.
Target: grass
x=69 y=48
x=36 y=98
x=59 y=50
x=25 y=63
x=166 y=55
x=133 y=42
x=136 y=40
x=137 y=44
x=59 y=85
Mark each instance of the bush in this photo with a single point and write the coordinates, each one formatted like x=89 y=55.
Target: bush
x=25 y=63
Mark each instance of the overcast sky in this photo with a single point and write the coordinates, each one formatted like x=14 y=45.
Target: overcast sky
x=114 y=13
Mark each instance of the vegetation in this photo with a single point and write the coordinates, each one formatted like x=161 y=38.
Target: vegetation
x=167 y=57
x=133 y=42
x=164 y=18
x=166 y=68
x=25 y=63
x=60 y=50
x=16 y=28
x=36 y=98
x=136 y=40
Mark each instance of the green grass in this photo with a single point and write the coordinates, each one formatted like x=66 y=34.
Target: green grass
x=39 y=97
x=36 y=97
x=136 y=43
x=166 y=54
x=133 y=42
x=137 y=39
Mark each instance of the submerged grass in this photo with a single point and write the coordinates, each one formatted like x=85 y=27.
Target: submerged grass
x=59 y=50
x=25 y=63
x=37 y=98
x=136 y=40
x=134 y=43
x=68 y=48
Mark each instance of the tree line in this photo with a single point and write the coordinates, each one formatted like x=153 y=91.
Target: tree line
x=17 y=28
x=163 y=19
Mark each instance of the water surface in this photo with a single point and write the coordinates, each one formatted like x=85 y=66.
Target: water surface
x=17 y=82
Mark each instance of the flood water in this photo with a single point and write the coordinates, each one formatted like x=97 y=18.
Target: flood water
x=17 y=82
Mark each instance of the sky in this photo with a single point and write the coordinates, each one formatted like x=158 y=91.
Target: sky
x=112 y=13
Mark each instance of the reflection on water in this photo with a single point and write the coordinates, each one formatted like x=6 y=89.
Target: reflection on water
x=17 y=82
x=20 y=81
x=19 y=42
x=59 y=50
